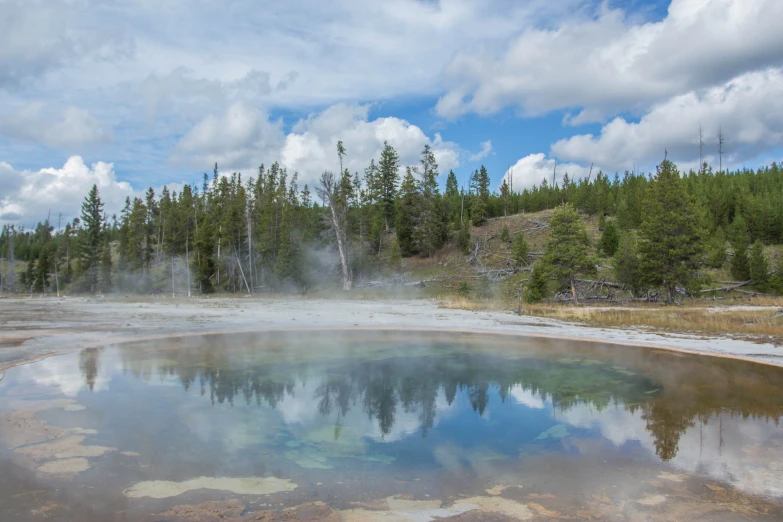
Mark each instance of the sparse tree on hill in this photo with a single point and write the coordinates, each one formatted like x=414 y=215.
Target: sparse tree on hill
x=610 y=239
x=520 y=249
x=536 y=288
x=505 y=235
x=670 y=243
x=568 y=249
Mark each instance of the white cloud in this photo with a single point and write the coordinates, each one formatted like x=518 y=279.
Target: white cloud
x=29 y=196
x=240 y=138
x=534 y=168
x=243 y=137
x=182 y=92
x=38 y=38
x=61 y=127
x=608 y=63
x=749 y=109
x=486 y=150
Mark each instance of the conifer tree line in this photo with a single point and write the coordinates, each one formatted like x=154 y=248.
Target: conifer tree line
x=268 y=234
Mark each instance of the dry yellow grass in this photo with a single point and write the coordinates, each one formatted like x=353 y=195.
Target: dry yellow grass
x=453 y=302
x=702 y=319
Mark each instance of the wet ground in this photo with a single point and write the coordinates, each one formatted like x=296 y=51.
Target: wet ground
x=360 y=425
x=34 y=327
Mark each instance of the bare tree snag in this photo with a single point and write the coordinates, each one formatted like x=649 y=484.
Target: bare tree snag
x=337 y=222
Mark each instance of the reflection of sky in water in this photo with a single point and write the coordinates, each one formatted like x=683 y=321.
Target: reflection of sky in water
x=404 y=412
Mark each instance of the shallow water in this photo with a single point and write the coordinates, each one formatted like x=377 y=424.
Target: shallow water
x=412 y=425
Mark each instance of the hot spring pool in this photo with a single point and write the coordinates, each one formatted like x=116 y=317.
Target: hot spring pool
x=366 y=425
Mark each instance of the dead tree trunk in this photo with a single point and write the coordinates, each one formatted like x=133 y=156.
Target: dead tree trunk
x=187 y=263
x=337 y=214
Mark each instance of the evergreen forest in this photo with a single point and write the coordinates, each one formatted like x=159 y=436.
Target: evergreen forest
x=661 y=232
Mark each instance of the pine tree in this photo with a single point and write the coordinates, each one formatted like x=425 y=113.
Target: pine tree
x=452 y=188
x=536 y=288
x=715 y=249
x=92 y=219
x=505 y=235
x=42 y=271
x=740 y=265
x=479 y=183
x=601 y=221
x=205 y=265
x=568 y=248
x=463 y=238
x=626 y=264
x=288 y=263
x=758 y=267
x=430 y=231
x=105 y=282
x=520 y=249
x=478 y=211
x=28 y=276
x=776 y=279
x=670 y=247
x=395 y=256
x=388 y=175
x=406 y=220
x=610 y=239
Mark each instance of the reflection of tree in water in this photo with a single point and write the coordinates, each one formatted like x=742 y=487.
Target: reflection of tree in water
x=383 y=388
x=88 y=364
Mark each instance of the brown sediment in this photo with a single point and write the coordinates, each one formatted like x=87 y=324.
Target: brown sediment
x=67 y=467
x=234 y=511
x=21 y=427
x=13 y=342
x=473 y=508
x=63 y=448
x=47 y=449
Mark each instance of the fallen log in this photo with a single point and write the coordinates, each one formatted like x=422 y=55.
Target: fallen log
x=746 y=292
x=601 y=283
x=733 y=286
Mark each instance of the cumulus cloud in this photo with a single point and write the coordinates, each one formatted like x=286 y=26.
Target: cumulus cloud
x=748 y=110
x=535 y=168
x=29 y=196
x=609 y=63
x=60 y=127
x=243 y=137
x=238 y=138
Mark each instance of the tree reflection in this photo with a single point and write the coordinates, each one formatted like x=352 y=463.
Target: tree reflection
x=88 y=365
x=671 y=399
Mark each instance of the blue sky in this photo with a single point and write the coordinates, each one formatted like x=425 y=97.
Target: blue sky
x=138 y=93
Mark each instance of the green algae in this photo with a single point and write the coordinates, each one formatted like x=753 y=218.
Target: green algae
x=557 y=432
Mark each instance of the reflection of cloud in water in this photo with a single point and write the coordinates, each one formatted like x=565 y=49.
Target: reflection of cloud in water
x=67 y=372
x=739 y=451
x=526 y=397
